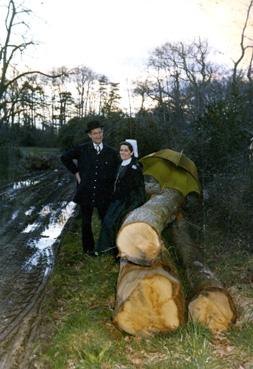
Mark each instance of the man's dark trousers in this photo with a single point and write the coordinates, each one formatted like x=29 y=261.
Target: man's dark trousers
x=87 y=235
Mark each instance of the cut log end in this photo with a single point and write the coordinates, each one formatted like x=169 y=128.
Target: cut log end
x=213 y=309
x=151 y=308
x=138 y=242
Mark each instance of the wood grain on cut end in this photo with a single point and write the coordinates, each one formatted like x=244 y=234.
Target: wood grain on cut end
x=138 y=239
x=214 y=309
x=138 y=242
x=212 y=305
x=149 y=300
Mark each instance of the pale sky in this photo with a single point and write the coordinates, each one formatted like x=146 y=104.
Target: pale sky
x=115 y=37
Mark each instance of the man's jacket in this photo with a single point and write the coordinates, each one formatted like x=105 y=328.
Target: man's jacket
x=97 y=172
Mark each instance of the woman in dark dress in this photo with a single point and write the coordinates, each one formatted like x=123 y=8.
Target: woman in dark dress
x=129 y=193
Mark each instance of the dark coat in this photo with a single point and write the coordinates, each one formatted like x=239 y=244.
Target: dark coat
x=129 y=193
x=129 y=185
x=97 y=172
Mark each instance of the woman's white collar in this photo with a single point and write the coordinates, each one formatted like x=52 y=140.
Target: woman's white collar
x=126 y=162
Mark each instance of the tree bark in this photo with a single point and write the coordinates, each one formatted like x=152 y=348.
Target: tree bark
x=211 y=303
x=152 y=187
x=149 y=298
x=139 y=238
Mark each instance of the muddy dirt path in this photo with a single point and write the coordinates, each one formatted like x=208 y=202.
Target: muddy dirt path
x=34 y=212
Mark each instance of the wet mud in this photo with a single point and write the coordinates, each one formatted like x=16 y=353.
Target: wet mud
x=34 y=212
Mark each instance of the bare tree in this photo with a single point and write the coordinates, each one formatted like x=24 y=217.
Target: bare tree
x=10 y=48
x=112 y=100
x=83 y=77
x=61 y=96
x=243 y=46
x=32 y=99
x=103 y=86
x=249 y=72
x=183 y=74
x=141 y=89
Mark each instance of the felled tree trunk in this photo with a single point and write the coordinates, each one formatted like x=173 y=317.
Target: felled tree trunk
x=152 y=187
x=139 y=238
x=149 y=298
x=211 y=304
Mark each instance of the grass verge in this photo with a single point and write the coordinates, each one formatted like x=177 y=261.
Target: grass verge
x=76 y=330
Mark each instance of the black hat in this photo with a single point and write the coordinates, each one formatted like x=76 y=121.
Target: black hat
x=93 y=124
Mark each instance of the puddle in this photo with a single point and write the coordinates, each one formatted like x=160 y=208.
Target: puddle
x=31 y=227
x=44 y=250
x=14 y=215
x=56 y=225
x=17 y=185
x=46 y=210
x=44 y=244
x=22 y=184
x=30 y=211
x=28 y=251
x=12 y=218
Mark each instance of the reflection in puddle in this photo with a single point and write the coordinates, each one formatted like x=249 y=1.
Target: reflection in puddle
x=31 y=227
x=30 y=211
x=56 y=225
x=44 y=246
x=11 y=190
x=44 y=249
x=14 y=215
x=21 y=184
x=46 y=210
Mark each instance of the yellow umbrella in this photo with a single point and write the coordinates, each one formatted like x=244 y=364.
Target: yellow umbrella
x=172 y=169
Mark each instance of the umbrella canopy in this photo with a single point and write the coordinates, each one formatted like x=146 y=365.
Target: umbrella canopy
x=172 y=169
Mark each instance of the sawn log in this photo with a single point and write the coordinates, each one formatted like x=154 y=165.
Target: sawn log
x=149 y=298
x=211 y=303
x=139 y=238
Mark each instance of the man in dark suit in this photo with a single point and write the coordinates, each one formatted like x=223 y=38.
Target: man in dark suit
x=94 y=165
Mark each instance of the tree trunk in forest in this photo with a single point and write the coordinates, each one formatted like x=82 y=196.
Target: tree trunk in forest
x=211 y=304
x=139 y=238
x=149 y=298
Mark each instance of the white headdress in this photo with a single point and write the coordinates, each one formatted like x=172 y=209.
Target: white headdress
x=134 y=145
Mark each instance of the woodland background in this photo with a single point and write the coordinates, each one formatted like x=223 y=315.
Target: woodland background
x=185 y=102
